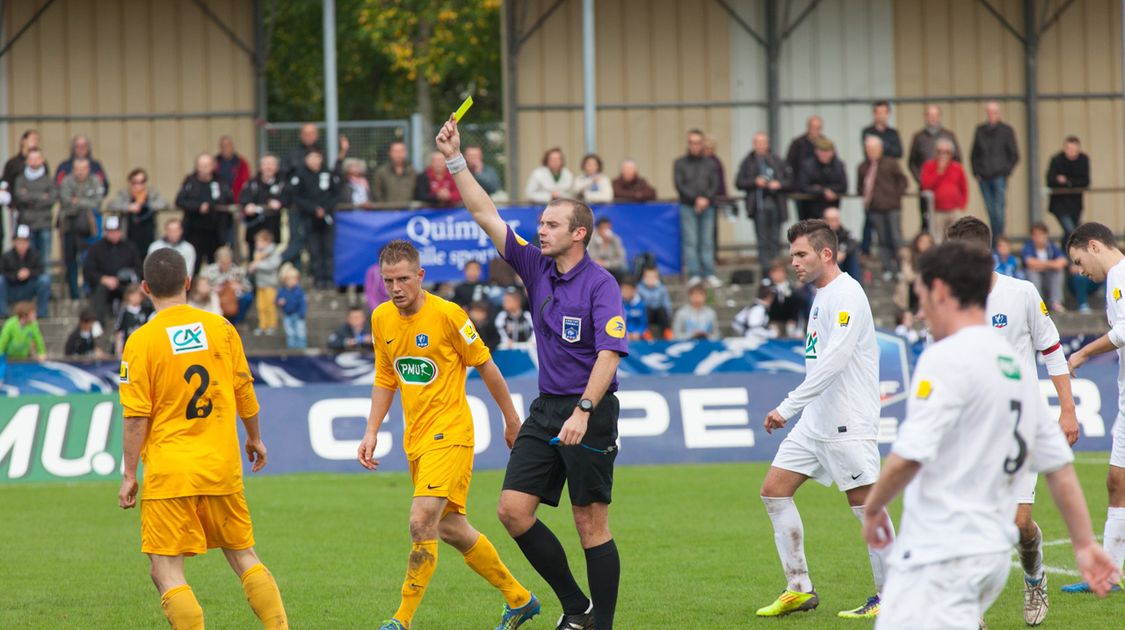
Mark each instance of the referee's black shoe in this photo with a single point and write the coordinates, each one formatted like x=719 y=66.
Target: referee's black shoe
x=581 y=621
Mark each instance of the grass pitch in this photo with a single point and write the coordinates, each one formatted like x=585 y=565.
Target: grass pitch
x=696 y=546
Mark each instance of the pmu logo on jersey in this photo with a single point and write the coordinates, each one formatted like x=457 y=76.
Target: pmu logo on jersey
x=1008 y=367
x=571 y=329
x=416 y=370
x=810 y=345
x=422 y=340
x=999 y=320
x=187 y=338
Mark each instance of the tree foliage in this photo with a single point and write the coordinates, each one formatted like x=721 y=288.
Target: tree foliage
x=394 y=57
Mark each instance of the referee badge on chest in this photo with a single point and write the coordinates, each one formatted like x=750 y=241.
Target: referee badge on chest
x=571 y=329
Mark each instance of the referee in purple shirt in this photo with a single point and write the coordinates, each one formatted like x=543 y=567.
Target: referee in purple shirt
x=570 y=436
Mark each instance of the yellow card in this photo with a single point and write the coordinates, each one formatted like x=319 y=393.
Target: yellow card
x=462 y=109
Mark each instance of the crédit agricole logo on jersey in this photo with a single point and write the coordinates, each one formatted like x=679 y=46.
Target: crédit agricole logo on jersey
x=416 y=370
x=810 y=345
x=187 y=338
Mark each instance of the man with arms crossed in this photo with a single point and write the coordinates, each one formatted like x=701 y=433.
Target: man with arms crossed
x=1016 y=310
x=835 y=441
x=183 y=377
x=974 y=422
x=570 y=436
x=1093 y=249
x=423 y=344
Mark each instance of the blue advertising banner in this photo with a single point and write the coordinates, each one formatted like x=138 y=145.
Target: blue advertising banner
x=447 y=239
x=664 y=420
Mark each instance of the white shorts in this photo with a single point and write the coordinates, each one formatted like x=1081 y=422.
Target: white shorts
x=946 y=595
x=1117 y=454
x=850 y=463
x=1025 y=487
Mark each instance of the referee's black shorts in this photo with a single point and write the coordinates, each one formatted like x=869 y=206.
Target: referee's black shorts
x=540 y=469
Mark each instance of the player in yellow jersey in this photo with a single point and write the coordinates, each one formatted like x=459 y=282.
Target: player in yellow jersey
x=183 y=378
x=423 y=345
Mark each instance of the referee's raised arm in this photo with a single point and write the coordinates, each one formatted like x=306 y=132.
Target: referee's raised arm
x=476 y=200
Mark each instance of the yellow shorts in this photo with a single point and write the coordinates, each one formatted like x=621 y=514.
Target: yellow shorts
x=446 y=473
x=186 y=526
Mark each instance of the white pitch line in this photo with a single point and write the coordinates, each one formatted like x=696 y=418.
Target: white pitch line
x=1064 y=541
x=1091 y=462
x=1050 y=569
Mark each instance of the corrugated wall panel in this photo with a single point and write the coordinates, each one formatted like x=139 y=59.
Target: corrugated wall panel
x=112 y=57
x=648 y=51
x=966 y=51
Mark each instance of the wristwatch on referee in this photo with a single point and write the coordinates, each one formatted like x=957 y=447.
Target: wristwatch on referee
x=586 y=405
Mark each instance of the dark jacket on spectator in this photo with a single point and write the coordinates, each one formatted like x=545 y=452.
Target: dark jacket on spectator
x=139 y=226
x=1077 y=174
x=96 y=169
x=636 y=190
x=775 y=169
x=311 y=190
x=923 y=148
x=260 y=193
x=815 y=178
x=338 y=340
x=77 y=203
x=890 y=184
x=194 y=193
x=80 y=344
x=696 y=176
x=892 y=143
x=801 y=149
x=995 y=152
x=11 y=263
x=34 y=198
x=235 y=172
x=107 y=259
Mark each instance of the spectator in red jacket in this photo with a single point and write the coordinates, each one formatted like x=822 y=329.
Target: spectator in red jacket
x=944 y=177
x=231 y=167
x=435 y=185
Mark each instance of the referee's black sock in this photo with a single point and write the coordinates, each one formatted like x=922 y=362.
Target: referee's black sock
x=545 y=553
x=603 y=570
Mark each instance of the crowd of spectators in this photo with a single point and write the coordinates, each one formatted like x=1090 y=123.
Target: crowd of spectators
x=230 y=226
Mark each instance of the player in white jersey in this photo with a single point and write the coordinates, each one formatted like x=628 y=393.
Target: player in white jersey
x=1093 y=249
x=973 y=423
x=835 y=439
x=1016 y=310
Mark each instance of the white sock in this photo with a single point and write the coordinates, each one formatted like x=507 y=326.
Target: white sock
x=878 y=557
x=1031 y=556
x=1114 y=540
x=789 y=536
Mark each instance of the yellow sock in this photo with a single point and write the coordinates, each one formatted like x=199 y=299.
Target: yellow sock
x=483 y=559
x=423 y=561
x=265 y=599
x=182 y=609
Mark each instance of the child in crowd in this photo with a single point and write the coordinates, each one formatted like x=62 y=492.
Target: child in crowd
x=513 y=322
x=264 y=269
x=480 y=312
x=354 y=335
x=788 y=306
x=202 y=297
x=133 y=315
x=696 y=320
x=636 y=317
x=291 y=299
x=904 y=326
x=753 y=322
x=20 y=338
x=1007 y=264
x=658 y=304
x=83 y=340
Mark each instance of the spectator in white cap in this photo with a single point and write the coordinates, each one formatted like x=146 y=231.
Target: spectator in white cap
x=111 y=264
x=21 y=275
